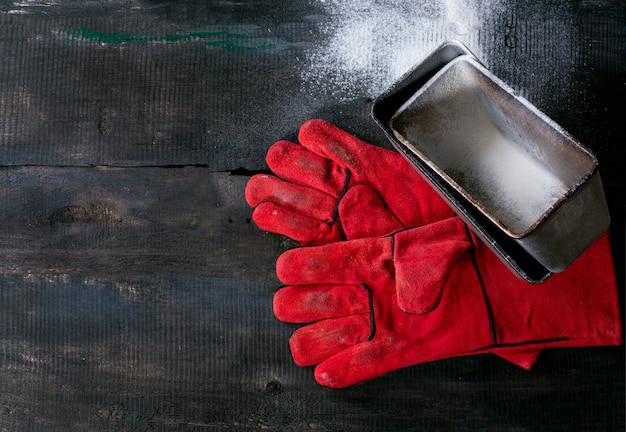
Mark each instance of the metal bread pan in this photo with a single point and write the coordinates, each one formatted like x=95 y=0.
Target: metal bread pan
x=385 y=107
x=526 y=187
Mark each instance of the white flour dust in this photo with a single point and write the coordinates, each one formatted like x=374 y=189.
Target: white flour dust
x=371 y=43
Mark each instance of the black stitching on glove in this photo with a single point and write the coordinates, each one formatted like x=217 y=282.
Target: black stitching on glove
x=370 y=297
x=492 y=327
x=343 y=192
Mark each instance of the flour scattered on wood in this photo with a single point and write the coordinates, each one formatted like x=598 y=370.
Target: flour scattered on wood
x=367 y=45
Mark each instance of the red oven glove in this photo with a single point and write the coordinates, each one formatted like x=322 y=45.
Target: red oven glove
x=348 y=290
x=335 y=187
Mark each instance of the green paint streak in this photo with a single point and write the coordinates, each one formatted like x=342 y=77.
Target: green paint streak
x=230 y=39
x=135 y=419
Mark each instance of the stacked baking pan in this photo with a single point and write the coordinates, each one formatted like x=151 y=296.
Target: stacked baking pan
x=524 y=185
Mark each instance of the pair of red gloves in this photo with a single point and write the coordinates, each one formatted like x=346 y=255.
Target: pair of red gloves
x=390 y=277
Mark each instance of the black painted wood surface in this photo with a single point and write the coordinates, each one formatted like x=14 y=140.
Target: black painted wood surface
x=135 y=293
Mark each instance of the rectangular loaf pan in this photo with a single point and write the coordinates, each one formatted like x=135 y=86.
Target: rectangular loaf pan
x=523 y=184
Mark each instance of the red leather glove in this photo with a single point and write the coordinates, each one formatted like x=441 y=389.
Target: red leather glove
x=324 y=188
x=348 y=289
x=334 y=187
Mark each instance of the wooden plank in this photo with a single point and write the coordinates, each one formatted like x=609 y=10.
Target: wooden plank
x=130 y=222
x=146 y=91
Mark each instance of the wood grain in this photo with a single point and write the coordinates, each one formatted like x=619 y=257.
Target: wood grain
x=135 y=291
x=131 y=221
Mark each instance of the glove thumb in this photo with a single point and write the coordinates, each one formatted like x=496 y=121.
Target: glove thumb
x=363 y=214
x=425 y=262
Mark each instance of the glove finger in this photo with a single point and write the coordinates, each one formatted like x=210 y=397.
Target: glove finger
x=358 y=363
x=296 y=164
x=317 y=342
x=363 y=214
x=331 y=142
x=349 y=262
x=309 y=303
x=369 y=360
x=306 y=231
x=299 y=199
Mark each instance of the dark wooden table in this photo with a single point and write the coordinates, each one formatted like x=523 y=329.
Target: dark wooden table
x=135 y=293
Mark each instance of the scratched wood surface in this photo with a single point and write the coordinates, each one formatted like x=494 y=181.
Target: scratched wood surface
x=135 y=293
